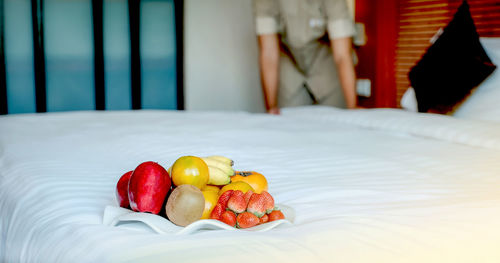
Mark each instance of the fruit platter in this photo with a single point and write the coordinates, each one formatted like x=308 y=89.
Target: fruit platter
x=196 y=193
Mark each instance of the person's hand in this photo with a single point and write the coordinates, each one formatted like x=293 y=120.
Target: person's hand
x=274 y=111
x=356 y=108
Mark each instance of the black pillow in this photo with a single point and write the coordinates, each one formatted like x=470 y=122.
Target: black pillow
x=452 y=66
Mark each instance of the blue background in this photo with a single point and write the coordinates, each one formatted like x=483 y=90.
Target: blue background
x=69 y=55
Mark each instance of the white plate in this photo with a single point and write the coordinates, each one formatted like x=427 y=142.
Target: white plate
x=116 y=216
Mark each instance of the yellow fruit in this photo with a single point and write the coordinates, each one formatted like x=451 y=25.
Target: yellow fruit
x=190 y=170
x=256 y=180
x=240 y=185
x=211 y=198
x=209 y=187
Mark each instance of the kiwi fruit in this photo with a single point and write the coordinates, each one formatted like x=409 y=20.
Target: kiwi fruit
x=185 y=205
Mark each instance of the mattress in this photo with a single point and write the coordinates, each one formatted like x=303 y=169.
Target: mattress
x=379 y=185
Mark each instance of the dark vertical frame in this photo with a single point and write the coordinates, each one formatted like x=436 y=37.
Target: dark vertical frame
x=99 y=84
x=3 y=77
x=179 y=45
x=134 y=12
x=39 y=55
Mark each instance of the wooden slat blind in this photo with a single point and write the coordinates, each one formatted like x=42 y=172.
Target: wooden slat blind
x=420 y=20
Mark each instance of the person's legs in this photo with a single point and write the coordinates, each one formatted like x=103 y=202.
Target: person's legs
x=334 y=99
x=324 y=81
x=300 y=97
x=292 y=92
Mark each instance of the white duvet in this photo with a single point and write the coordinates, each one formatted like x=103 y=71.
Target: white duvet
x=366 y=185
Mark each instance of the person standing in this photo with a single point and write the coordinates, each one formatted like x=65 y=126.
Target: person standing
x=305 y=53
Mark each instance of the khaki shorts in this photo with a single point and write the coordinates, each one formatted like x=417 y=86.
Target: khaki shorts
x=295 y=90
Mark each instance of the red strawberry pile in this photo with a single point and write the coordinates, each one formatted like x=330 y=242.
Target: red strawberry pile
x=244 y=210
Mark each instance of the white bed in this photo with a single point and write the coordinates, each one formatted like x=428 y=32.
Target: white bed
x=366 y=185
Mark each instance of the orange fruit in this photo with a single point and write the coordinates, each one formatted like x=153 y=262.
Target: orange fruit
x=190 y=170
x=242 y=186
x=256 y=180
x=211 y=198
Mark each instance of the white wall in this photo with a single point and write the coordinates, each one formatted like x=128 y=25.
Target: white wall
x=221 y=56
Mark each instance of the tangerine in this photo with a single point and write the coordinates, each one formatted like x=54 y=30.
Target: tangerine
x=256 y=180
x=190 y=170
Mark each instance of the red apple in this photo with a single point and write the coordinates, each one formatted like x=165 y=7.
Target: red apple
x=147 y=188
x=122 y=190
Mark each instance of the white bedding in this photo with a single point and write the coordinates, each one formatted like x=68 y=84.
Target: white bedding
x=366 y=185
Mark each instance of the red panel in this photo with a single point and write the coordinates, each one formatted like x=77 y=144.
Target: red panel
x=385 y=83
x=366 y=60
x=376 y=58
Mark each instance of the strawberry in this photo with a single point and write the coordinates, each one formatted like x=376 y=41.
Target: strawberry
x=246 y=220
x=247 y=196
x=238 y=193
x=223 y=198
x=256 y=205
x=237 y=203
x=217 y=212
x=276 y=215
x=264 y=219
x=269 y=201
x=229 y=218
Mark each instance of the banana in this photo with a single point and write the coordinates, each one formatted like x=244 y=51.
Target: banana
x=223 y=159
x=218 y=164
x=217 y=176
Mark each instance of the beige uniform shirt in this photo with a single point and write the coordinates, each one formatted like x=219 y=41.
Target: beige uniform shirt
x=305 y=28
